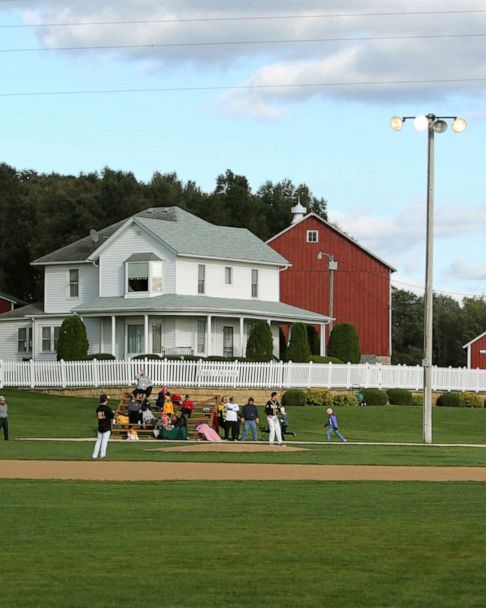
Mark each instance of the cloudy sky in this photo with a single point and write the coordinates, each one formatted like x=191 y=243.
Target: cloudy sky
x=271 y=89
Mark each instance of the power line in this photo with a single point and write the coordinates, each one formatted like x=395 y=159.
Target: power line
x=249 y=18
x=238 y=43
x=450 y=293
x=249 y=87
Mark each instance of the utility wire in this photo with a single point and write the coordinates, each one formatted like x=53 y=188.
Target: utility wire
x=249 y=18
x=237 y=43
x=248 y=87
x=443 y=291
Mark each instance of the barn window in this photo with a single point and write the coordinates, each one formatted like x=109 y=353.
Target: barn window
x=312 y=236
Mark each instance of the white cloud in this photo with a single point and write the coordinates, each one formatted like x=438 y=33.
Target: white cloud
x=463 y=269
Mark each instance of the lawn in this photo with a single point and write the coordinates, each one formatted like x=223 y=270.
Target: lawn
x=38 y=415
x=242 y=544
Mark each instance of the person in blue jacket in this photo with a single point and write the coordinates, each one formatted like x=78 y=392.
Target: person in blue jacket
x=332 y=425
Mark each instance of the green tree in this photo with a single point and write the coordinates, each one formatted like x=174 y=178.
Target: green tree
x=314 y=340
x=298 y=350
x=344 y=343
x=407 y=327
x=260 y=342
x=282 y=342
x=73 y=342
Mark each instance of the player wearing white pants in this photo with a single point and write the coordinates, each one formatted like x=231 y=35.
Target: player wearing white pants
x=274 y=428
x=101 y=444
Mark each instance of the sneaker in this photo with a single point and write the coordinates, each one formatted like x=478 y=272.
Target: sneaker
x=282 y=445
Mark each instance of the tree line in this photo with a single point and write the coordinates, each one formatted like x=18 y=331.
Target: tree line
x=455 y=324
x=41 y=212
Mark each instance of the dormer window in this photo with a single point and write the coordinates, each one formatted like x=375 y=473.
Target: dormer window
x=143 y=274
x=312 y=236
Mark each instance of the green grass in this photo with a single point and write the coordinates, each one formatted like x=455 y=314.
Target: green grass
x=39 y=415
x=242 y=544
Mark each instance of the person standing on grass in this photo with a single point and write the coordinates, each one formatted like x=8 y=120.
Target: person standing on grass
x=231 y=419
x=105 y=415
x=4 y=417
x=284 y=423
x=249 y=415
x=332 y=425
x=272 y=410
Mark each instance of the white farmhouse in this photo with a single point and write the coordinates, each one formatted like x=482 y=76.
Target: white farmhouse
x=162 y=281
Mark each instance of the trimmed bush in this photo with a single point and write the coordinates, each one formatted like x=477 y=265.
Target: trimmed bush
x=418 y=400
x=471 y=400
x=148 y=356
x=294 y=396
x=319 y=396
x=282 y=340
x=450 y=400
x=73 y=342
x=344 y=343
x=101 y=357
x=318 y=359
x=298 y=350
x=399 y=396
x=313 y=339
x=375 y=396
x=260 y=342
x=344 y=400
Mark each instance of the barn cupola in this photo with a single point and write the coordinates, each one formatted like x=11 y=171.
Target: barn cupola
x=298 y=212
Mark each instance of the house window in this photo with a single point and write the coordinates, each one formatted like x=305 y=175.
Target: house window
x=201 y=278
x=50 y=339
x=254 y=283
x=156 y=276
x=312 y=236
x=24 y=339
x=201 y=337
x=228 y=275
x=137 y=276
x=74 y=283
x=157 y=338
x=134 y=339
x=227 y=341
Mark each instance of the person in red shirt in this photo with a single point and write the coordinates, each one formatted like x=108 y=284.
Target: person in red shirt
x=187 y=406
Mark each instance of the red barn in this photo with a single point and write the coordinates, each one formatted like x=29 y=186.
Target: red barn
x=8 y=303
x=476 y=352
x=361 y=280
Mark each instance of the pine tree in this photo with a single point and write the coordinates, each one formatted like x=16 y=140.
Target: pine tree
x=73 y=342
x=344 y=343
x=260 y=342
x=314 y=341
x=298 y=350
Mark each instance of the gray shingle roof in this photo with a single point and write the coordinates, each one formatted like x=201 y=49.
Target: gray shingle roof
x=143 y=257
x=184 y=233
x=20 y=313
x=199 y=305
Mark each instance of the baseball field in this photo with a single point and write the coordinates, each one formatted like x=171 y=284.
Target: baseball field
x=197 y=536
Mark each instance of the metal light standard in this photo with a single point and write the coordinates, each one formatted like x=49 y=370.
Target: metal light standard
x=333 y=266
x=433 y=124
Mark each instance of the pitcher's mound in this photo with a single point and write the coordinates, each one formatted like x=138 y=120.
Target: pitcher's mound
x=204 y=446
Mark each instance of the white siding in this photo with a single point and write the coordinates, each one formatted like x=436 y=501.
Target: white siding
x=56 y=287
x=112 y=261
x=93 y=331
x=39 y=355
x=8 y=340
x=187 y=275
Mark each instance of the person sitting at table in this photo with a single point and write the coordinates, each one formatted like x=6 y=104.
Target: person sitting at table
x=161 y=397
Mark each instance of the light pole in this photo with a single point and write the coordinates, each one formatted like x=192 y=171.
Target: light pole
x=433 y=124
x=333 y=266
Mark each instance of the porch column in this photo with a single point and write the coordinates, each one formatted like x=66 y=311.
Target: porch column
x=323 y=340
x=242 y=333
x=33 y=340
x=113 y=336
x=145 y=333
x=208 y=337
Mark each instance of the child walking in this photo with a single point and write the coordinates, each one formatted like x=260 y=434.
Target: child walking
x=332 y=425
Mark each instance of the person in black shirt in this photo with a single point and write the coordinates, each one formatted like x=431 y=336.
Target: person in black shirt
x=249 y=415
x=105 y=415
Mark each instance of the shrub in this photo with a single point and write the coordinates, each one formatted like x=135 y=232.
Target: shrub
x=101 y=357
x=298 y=350
x=148 y=356
x=399 y=396
x=282 y=340
x=319 y=396
x=344 y=399
x=418 y=400
x=73 y=342
x=294 y=396
x=318 y=359
x=449 y=400
x=375 y=396
x=260 y=342
x=313 y=339
x=344 y=343
x=471 y=400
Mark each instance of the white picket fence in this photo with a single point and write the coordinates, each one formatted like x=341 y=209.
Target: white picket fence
x=95 y=373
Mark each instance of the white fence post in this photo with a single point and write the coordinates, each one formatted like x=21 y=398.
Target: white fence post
x=32 y=374
x=309 y=375
x=63 y=373
x=380 y=375
x=1 y=373
x=96 y=375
